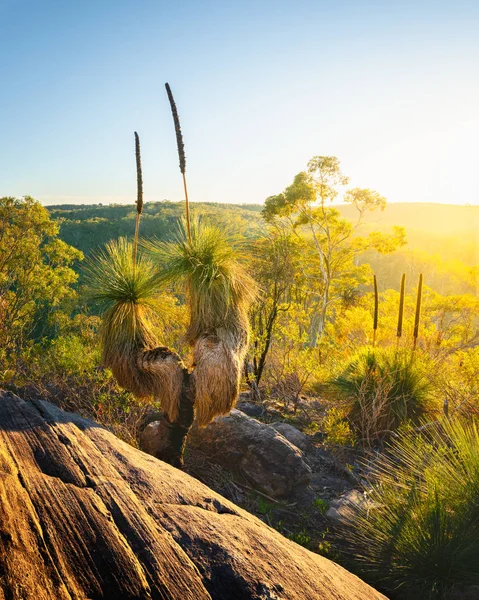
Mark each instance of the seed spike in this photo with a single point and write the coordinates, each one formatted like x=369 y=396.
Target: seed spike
x=417 y=317
x=139 y=194
x=401 y=307
x=376 y=310
x=181 y=153
x=179 y=135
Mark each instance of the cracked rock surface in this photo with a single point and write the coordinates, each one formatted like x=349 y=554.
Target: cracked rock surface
x=84 y=515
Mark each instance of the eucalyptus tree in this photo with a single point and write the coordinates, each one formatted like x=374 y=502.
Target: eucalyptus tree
x=307 y=204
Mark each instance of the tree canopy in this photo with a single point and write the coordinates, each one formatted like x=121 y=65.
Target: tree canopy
x=36 y=278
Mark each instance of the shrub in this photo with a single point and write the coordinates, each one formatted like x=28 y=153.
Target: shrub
x=65 y=372
x=419 y=535
x=70 y=355
x=458 y=381
x=321 y=505
x=384 y=389
x=337 y=428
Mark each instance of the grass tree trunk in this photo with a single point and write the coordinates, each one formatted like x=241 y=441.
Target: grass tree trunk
x=173 y=385
x=175 y=433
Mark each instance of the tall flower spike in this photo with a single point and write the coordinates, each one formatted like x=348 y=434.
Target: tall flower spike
x=139 y=176
x=376 y=310
x=401 y=307
x=417 y=316
x=181 y=154
x=179 y=135
x=139 y=196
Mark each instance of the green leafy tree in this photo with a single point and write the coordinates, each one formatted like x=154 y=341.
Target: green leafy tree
x=306 y=204
x=36 y=277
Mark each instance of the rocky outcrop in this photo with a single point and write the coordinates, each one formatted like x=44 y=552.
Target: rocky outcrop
x=84 y=515
x=253 y=452
x=251 y=409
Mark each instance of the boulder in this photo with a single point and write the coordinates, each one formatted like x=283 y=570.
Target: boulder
x=250 y=409
x=85 y=515
x=293 y=435
x=254 y=452
x=342 y=508
x=251 y=450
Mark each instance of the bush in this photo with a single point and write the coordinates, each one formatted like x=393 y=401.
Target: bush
x=337 y=428
x=419 y=535
x=384 y=389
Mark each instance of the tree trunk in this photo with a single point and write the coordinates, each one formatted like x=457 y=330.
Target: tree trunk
x=267 y=343
x=324 y=310
x=173 y=385
x=175 y=433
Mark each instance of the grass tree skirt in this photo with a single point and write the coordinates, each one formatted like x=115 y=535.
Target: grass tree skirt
x=84 y=515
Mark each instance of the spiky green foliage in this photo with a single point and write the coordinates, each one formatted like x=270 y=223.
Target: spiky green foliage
x=219 y=289
x=384 y=389
x=128 y=295
x=419 y=535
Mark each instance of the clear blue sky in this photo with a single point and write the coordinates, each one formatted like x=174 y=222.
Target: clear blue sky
x=390 y=87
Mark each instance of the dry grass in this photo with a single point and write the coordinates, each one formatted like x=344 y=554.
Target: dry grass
x=217 y=374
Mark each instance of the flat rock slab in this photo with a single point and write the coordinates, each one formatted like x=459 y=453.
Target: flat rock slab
x=83 y=515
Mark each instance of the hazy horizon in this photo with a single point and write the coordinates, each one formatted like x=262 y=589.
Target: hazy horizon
x=111 y=201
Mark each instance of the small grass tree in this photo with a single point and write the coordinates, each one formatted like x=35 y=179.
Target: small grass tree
x=418 y=536
x=384 y=388
x=219 y=293
x=126 y=287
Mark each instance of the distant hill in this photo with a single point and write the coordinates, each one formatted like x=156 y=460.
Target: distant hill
x=451 y=232
x=448 y=231
x=88 y=226
x=438 y=218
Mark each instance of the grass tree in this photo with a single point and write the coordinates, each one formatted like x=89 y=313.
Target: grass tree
x=418 y=536
x=126 y=287
x=219 y=294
